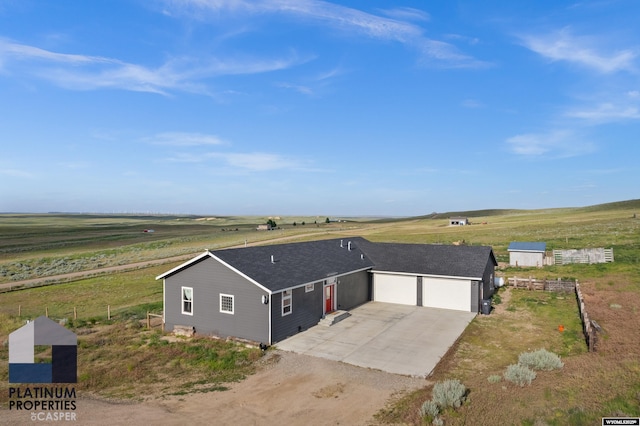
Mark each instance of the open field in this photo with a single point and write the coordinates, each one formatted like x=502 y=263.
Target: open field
x=36 y=246
x=590 y=385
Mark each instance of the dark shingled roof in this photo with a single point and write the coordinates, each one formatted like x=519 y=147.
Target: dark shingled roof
x=295 y=263
x=301 y=263
x=429 y=259
x=525 y=246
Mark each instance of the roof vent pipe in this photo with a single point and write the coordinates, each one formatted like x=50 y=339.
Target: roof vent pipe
x=272 y=261
x=361 y=256
x=349 y=245
x=341 y=246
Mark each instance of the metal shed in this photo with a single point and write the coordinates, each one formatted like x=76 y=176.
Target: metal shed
x=527 y=253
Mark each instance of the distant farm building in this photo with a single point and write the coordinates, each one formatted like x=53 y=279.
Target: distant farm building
x=266 y=227
x=527 y=254
x=458 y=221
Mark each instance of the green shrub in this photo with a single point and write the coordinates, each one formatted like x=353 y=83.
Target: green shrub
x=495 y=378
x=450 y=393
x=540 y=360
x=429 y=408
x=519 y=374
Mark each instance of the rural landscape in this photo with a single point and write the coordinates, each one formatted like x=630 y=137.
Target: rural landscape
x=126 y=364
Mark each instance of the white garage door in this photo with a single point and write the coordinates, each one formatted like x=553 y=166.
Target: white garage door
x=446 y=293
x=399 y=289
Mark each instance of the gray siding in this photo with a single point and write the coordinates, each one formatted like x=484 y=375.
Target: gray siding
x=487 y=280
x=306 y=311
x=483 y=289
x=353 y=290
x=209 y=278
x=475 y=296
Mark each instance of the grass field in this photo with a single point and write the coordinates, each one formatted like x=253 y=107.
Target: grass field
x=44 y=245
x=589 y=386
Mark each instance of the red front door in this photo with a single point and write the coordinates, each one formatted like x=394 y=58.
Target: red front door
x=328 y=299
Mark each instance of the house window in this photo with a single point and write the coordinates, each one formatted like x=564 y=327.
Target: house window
x=187 y=300
x=226 y=303
x=308 y=288
x=286 y=302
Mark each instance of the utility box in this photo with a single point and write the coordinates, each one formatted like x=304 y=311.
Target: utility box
x=486 y=306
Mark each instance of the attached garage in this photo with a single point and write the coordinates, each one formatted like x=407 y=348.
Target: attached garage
x=432 y=292
x=435 y=276
x=392 y=288
x=446 y=293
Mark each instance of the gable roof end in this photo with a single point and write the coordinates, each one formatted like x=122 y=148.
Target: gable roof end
x=184 y=265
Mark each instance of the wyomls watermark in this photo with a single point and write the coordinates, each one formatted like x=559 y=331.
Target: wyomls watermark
x=43 y=403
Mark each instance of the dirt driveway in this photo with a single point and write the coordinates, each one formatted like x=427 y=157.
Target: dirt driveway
x=289 y=389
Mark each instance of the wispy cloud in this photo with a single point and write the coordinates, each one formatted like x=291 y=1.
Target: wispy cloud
x=458 y=37
x=585 y=51
x=607 y=112
x=75 y=165
x=396 y=28
x=256 y=161
x=85 y=72
x=314 y=84
x=183 y=139
x=17 y=173
x=555 y=144
x=407 y=14
x=472 y=103
x=25 y=52
x=305 y=90
x=243 y=162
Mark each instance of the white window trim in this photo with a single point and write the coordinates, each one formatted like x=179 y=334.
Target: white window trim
x=287 y=295
x=182 y=300
x=309 y=288
x=233 y=304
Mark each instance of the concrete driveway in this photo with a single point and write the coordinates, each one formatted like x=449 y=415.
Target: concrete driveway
x=408 y=340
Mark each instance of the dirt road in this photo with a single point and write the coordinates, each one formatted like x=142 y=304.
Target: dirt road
x=288 y=389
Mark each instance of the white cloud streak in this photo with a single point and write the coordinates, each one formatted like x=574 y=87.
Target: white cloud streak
x=255 y=161
x=407 y=14
x=341 y=18
x=244 y=162
x=183 y=139
x=557 y=144
x=17 y=173
x=584 y=51
x=607 y=112
x=84 y=72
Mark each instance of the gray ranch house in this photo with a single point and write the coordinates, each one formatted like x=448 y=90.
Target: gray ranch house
x=268 y=293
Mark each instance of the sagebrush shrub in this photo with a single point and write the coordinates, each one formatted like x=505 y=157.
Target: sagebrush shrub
x=519 y=374
x=495 y=378
x=429 y=408
x=541 y=359
x=449 y=393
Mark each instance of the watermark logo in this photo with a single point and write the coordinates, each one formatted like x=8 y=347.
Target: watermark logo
x=43 y=332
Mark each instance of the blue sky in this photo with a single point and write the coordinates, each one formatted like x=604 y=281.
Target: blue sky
x=314 y=107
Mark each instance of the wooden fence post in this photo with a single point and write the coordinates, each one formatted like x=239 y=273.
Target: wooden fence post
x=46 y=311
x=75 y=313
x=109 y=312
x=148 y=321
x=19 y=310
